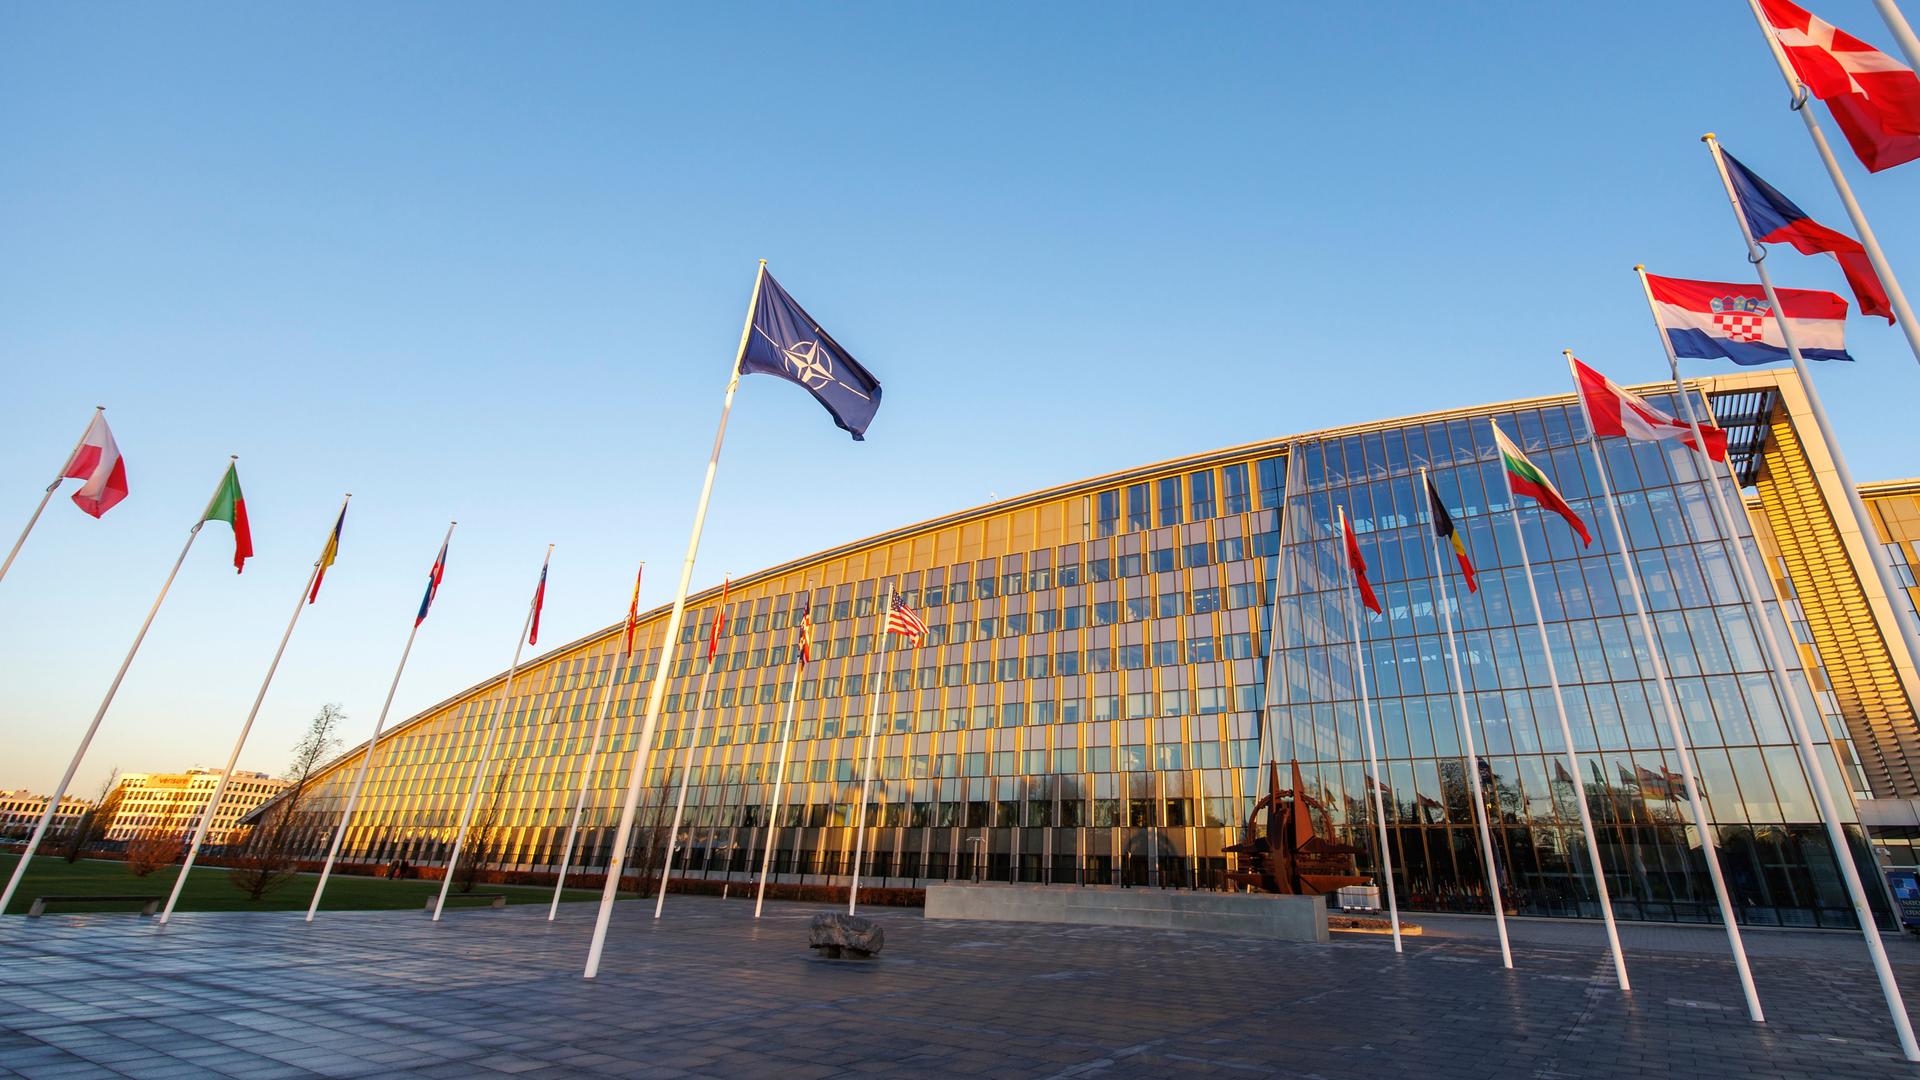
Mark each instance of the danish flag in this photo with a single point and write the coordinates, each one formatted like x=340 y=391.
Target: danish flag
x=1873 y=97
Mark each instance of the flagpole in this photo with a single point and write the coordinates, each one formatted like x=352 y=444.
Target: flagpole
x=780 y=777
x=240 y=740
x=658 y=692
x=603 y=716
x=1903 y=314
x=501 y=715
x=59 y=792
x=1473 y=778
x=1776 y=657
x=1902 y=33
x=1373 y=761
x=1274 y=635
x=48 y=495
x=366 y=761
x=686 y=775
x=885 y=638
x=1903 y=617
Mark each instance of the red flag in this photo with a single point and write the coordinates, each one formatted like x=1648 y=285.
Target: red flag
x=803 y=645
x=1618 y=412
x=719 y=622
x=1873 y=97
x=97 y=461
x=1359 y=566
x=633 y=609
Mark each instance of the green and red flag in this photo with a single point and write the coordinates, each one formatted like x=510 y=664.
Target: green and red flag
x=1525 y=478
x=230 y=506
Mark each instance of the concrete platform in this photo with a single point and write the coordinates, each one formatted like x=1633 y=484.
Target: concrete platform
x=1277 y=918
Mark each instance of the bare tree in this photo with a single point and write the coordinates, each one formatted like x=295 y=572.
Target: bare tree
x=87 y=828
x=151 y=850
x=267 y=857
x=482 y=838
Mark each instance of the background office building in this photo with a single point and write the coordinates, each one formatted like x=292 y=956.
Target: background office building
x=170 y=804
x=1094 y=704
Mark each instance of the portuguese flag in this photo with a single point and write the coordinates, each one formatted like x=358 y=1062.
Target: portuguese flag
x=1526 y=479
x=230 y=506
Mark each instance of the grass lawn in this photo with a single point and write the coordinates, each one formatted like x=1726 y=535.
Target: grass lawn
x=209 y=890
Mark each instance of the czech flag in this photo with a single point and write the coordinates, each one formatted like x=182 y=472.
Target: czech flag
x=1775 y=220
x=434 y=576
x=1714 y=319
x=539 y=601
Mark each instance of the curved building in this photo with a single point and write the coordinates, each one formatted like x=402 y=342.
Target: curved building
x=1094 y=701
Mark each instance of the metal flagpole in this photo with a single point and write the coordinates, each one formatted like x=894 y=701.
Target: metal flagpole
x=51 y=488
x=885 y=638
x=1903 y=616
x=496 y=722
x=60 y=791
x=1663 y=679
x=1279 y=584
x=658 y=692
x=1373 y=761
x=1902 y=313
x=366 y=760
x=1566 y=732
x=1902 y=33
x=1776 y=657
x=240 y=740
x=1473 y=778
x=780 y=776
x=602 y=718
x=686 y=774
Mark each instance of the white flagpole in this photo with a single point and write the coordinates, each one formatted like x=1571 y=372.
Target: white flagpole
x=1473 y=773
x=240 y=740
x=1802 y=730
x=1279 y=581
x=1902 y=33
x=1373 y=761
x=1902 y=313
x=51 y=488
x=366 y=760
x=885 y=639
x=59 y=792
x=1903 y=616
x=686 y=777
x=495 y=723
x=658 y=692
x=1663 y=678
x=602 y=719
x=780 y=776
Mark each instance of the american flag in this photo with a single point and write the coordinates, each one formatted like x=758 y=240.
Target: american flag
x=804 y=650
x=901 y=620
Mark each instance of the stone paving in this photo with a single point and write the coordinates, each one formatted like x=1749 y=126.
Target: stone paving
x=707 y=991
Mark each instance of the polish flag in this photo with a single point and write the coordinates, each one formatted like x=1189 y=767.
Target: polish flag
x=97 y=461
x=1617 y=412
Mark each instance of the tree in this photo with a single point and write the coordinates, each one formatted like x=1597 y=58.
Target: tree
x=87 y=828
x=267 y=857
x=151 y=850
x=484 y=834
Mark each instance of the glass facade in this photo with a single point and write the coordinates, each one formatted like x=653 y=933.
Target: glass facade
x=1090 y=705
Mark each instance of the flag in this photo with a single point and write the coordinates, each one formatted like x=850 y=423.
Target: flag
x=1443 y=528
x=230 y=506
x=1775 y=220
x=902 y=620
x=1711 y=319
x=1358 y=565
x=97 y=461
x=327 y=555
x=1873 y=97
x=719 y=622
x=1617 y=412
x=803 y=647
x=1527 y=479
x=434 y=577
x=539 y=601
x=633 y=609
x=786 y=343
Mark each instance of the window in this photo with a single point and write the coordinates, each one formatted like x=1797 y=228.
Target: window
x=1107 y=521
x=1243 y=595
x=1166 y=653
x=1131 y=565
x=1170 y=501
x=1133 y=657
x=1233 y=483
x=1138 y=515
x=1139 y=607
x=1106 y=612
x=1206 y=600
x=1273 y=481
x=1067 y=663
x=1040 y=579
x=1200 y=488
x=1200 y=554
x=1162 y=561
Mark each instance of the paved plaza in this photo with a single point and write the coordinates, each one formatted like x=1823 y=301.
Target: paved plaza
x=708 y=991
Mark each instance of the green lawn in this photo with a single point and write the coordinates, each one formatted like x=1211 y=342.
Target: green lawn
x=209 y=890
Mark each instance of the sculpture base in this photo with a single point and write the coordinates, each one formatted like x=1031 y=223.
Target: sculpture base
x=1283 y=918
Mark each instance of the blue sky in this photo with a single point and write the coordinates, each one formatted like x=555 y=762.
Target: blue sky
x=489 y=261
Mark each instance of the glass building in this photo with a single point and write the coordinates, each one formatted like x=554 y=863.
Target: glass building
x=1100 y=688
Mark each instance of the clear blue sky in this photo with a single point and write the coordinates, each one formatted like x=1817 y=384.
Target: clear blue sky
x=489 y=261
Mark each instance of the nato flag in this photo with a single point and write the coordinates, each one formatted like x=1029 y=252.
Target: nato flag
x=787 y=343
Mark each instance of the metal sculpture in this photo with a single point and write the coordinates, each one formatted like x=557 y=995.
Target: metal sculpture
x=1291 y=856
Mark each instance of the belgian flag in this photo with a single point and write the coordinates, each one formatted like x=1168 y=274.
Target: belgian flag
x=1443 y=528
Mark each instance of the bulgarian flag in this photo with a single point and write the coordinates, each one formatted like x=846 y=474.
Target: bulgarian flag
x=1525 y=478
x=230 y=506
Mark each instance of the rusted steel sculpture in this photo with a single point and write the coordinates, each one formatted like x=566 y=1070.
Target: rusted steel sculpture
x=1290 y=855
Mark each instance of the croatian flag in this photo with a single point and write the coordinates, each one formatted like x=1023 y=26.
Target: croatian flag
x=1713 y=319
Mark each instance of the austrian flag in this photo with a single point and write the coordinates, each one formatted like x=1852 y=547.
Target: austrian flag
x=1619 y=413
